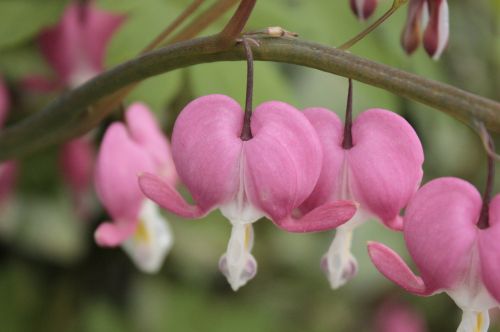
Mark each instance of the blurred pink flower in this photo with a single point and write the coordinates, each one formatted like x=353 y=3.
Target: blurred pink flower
x=397 y=316
x=76 y=46
x=126 y=151
x=381 y=171
x=363 y=8
x=269 y=175
x=451 y=252
x=8 y=169
x=434 y=16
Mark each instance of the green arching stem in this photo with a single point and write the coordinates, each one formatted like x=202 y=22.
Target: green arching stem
x=72 y=114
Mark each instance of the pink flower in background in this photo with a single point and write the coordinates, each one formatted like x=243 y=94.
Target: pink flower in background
x=397 y=316
x=363 y=8
x=434 y=16
x=126 y=151
x=451 y=252
x=268 y=175
x=75 y=47
x=8 y=169
x=381 y=171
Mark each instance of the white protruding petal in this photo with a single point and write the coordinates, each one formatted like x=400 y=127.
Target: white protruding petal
x=238 y=264
x=443 y=29
x=152 y=240
x=473 y=321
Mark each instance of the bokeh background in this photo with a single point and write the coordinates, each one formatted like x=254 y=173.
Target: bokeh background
x=54 y=278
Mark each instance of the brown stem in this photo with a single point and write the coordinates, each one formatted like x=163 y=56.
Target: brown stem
x=174 y=25
x=347 y=141
x=395 y=6
x=484 y=218
x=246 y=131
x=234 y=27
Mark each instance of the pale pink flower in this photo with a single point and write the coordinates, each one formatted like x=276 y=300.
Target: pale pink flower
x=126 y=151
x=363 y=8
x=381 y=171
x=268 y=175
x=451 y=252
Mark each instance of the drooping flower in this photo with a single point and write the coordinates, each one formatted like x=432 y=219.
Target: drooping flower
x=75 y=47
x=363 y=8
x=434 y=16
x=8 y=169
x=380 y=170
x=269 y=174
x=398 y=316
x=452 y=253
x=127 y=150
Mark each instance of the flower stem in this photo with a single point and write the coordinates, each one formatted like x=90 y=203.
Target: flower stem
x=347 y=141
x=246 y=132
x=75 y=112
x=484 y=218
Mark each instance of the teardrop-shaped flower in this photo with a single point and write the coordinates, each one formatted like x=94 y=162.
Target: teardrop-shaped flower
x=431 y=15
x=381 y=171
x=268 y=175
x=451 y=252
x=127 y=150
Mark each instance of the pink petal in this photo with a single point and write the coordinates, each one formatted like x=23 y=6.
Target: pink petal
x=489 y=250
x=207 y=149
x=395 y=269
x=410 y=39
x=77 y=163
x=440 y=230
x=114 y=234
x=330 y=132
x=325 y=217
x=146 y=132
x=4 y=102
x=8 y=173
x=282 y=160
x=438 y=30
x=385 y=163
x=165 y=195
x=363 y=8
x=119 y=162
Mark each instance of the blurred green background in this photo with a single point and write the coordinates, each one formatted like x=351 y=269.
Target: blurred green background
x=54 y=278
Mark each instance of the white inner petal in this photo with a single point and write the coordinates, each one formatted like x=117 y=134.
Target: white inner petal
x=474 y=321
x=443 y=29
x=151 y=241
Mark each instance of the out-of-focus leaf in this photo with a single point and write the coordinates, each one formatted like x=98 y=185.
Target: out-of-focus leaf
x=22 y=19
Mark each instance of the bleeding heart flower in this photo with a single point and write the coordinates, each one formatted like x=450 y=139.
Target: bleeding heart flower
x=452 y=253
x=397 y=316
x=363 y=8
x=381 y=171
x=127 y=150
x=434 y=16
x=8 y=169
x=270 y=174
x=75 y=47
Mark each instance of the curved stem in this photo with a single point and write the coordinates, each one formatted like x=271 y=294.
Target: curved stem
x=484 y=217
x=246 y=132
x=347 y=141
x=74 y=112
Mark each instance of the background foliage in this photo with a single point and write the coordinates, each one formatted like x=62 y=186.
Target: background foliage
x=53 y=278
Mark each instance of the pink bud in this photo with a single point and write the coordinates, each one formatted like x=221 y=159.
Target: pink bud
x=417 y=13
x=363 y=8
x=438 y=30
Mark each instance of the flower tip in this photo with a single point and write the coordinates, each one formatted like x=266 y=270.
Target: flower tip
x=363 y=9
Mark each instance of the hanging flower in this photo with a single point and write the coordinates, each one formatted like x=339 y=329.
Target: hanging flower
x=363 y=8
x=453 y=253
x=434 y=16
x=8 y=169
x=127 y=150
x=380 y=169
x=266 y=173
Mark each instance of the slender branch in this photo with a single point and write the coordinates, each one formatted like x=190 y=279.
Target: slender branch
x=347 y=141
x=71 y=114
